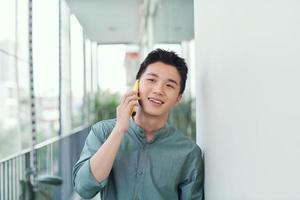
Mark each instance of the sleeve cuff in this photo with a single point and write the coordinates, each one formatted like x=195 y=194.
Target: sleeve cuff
x=86 y=184
x=92 y=180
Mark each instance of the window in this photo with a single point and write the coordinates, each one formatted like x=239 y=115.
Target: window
x=14 y=77
x=77 y=72
x=9 y=107
x=65 y=70
x=24 y=104
x=94 y=67
x=8 y=32
x=22 y=30
x=88 y=80
x=46 y=67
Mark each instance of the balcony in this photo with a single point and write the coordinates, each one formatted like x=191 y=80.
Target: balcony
x=54 y=157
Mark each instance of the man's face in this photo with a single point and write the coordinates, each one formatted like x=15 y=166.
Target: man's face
x=159 y=89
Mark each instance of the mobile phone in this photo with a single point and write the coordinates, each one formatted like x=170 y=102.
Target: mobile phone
x=135 y=88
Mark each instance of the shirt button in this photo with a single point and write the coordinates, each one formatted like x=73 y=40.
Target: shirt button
x=140 y=172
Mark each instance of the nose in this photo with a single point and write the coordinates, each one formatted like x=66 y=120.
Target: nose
x=158 y=89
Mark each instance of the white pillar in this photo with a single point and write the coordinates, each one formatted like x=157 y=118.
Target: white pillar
x=248 y=98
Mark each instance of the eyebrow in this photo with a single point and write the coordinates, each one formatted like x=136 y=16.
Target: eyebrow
x=155 y=75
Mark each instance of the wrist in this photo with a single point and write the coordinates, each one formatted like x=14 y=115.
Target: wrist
x=120 y=130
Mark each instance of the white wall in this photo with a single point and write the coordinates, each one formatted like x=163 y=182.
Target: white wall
x=248 y=98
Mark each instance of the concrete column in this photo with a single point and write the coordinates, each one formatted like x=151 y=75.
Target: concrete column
x=248 y=94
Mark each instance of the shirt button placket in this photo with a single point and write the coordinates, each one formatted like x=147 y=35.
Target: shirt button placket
x=140 y=173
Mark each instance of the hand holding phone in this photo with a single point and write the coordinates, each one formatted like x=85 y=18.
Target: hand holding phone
x=135 y=88
x=126 y=109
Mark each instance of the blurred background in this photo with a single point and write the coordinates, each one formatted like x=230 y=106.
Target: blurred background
x=64 y=65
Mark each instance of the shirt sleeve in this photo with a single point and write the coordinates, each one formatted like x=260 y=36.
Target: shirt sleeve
x=84 y=181
x=192 y=187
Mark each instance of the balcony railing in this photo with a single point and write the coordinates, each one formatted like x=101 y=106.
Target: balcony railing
x=54 y=157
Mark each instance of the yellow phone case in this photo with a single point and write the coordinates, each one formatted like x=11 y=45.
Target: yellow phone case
x=135 y=88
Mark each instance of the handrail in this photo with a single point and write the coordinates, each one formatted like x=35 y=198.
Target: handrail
x=45 y=143
x=55 y=156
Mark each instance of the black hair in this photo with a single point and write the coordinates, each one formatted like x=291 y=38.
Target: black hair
x=169 y=58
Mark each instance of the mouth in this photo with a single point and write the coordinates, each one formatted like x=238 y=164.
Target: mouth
x=156 y=101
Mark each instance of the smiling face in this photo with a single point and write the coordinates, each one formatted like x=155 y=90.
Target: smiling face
x=159 y=89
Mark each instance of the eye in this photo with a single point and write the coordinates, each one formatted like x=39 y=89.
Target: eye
x=170 y=86
x=150 y=79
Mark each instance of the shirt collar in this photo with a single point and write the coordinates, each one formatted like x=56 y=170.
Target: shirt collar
x=140 y=132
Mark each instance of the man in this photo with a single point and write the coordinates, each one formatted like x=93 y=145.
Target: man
x=143 y=157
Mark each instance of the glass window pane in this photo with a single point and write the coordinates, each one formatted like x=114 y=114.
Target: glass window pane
x=77 y=72
x=9 y=107
x=88 y=66
x=94 y=67
x=88 y=80
x=14 y=77
x=111 y=60
x=7 y=24
x=24 y=104
x=46 y=67
x=65 y=70
x=22 y=29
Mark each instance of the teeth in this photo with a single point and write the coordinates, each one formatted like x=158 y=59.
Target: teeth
x=156 y=101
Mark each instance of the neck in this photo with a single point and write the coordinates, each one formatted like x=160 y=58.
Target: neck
x=150 y=123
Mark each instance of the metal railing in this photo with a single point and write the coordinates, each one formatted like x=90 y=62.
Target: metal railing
x=55 y=157
x=11 y=171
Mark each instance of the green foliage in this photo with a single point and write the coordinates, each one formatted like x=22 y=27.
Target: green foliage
x=105 y=105
x=183 y=118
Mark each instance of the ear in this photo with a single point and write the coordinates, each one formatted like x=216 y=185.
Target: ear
x=178 y=99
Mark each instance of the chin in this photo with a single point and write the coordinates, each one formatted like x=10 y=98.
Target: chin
x=155 y=113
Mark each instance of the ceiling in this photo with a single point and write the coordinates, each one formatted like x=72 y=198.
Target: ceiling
x=125 y=21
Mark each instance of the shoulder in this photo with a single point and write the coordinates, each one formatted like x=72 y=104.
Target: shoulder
x=103 y=128
x=184 y=142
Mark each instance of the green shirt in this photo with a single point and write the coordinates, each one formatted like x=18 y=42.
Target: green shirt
x=169 y=167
